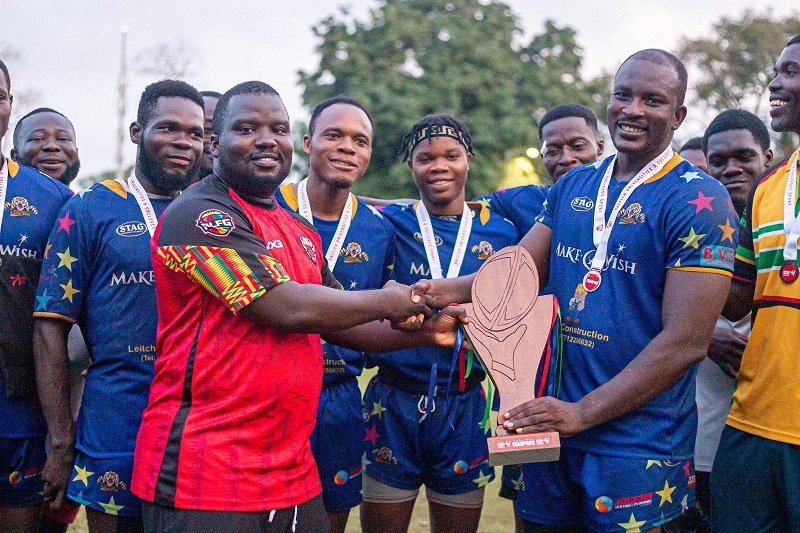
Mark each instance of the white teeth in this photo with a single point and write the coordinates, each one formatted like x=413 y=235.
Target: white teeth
x=630 y=129
x=777 y=103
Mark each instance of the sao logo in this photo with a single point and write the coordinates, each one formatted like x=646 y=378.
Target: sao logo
x=581 y=203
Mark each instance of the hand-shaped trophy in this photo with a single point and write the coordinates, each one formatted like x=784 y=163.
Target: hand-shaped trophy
x=509 y=328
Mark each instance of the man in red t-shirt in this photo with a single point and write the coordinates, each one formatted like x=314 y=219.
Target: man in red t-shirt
x=244 y=293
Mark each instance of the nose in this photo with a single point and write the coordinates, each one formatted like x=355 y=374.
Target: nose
x=50 y=145
x=265 y=139
x=568 y=157
x=346 y=146
x=732 y=168
x=775 y=84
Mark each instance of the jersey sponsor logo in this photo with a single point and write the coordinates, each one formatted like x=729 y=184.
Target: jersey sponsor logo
x=353 y=253
x=111 y=482
x=273 y=245
x=613 y=262
x=639 y=500
x=420 y=270
x=20 y=207
x=145 y=277
x=436 y=238
x=717 y=256
x=18 y=475
x=604 y=504
x=131 y=229
x=215 y=222
x=631 y=214
x=309 y=247
x=484 y=250
x=581 y=203
x=6 y=249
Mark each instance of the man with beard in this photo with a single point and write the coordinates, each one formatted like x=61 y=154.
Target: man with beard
x=653 y=244
x=736 y=145
x=754 y=480
x=358 y=243
x=45 y=140
x=244 y=293
x=29 y=204
x=98 y=273
x=210 y=99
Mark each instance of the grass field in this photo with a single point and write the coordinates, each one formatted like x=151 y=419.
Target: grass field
x=497 y=516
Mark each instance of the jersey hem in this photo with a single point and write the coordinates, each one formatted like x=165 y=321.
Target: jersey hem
x=725 y=273
x=763 y=432
x=44 y=314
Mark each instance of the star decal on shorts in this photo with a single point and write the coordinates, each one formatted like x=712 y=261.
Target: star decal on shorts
x=66 y=259
x=42 y=300
x=665 y=493
x=727 y=231
x=371 y=435
x=482 y=480
x=685 y=503
x=377 y=409
x=651 y=462
x=65 y=223
x=111 y=507
x=69 y=291
x=689 y=176
x=693 y=239
x=702 y=202
x=17 y=280
x=82 y=475
x=632 y=525
x=80 y=499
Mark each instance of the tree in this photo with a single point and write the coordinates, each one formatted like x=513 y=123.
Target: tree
x=416 y=57
x=734 y=65
x=175 y=60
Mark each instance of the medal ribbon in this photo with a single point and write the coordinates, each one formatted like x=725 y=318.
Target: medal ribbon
x=791 y=223
x=145 y=206
x=3 y=189
x=429 y=241
x=304 y=208
x=601 y=232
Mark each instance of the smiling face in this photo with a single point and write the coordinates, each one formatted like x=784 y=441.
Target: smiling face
x=569 y=142
x=254 y=150
x=341 y=146
x=47 y=143
x=440 y=166
x=736 y=159
x=784 y=91
x=644 y=111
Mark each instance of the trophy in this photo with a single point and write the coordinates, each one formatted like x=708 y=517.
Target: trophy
x=509 y=328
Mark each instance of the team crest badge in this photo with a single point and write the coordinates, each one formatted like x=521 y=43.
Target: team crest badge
x=484 y=250
x=418 y=238
x=215 y=222
x=384 y=455
x=20 y=207
x=631 y=214
x=354 y=254
x=309 y=247
x=110 y=482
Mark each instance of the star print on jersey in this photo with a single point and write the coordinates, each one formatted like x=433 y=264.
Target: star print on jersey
x=65 y=223
x=727 y=230
x=702 y=202
x=651 y=462
x=371 y=435
x=620 y=248
x=69 y=291
x=689 y=176
x=42 y=300
x=352 y=286
x=18 y=280
x=66 y=259
x=83 y=475
x=482 y=480
x=665 y=493
x=23 y=239
x=111 y=507
x=693 y=239
x=377 y=409
x=632 y=525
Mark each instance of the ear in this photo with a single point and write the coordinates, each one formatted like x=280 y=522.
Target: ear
x=768 y=155
x=13 y=154
x=214 y=145
x=679 y=117
x=307 y=143
x=135 y=131
x=410 y=166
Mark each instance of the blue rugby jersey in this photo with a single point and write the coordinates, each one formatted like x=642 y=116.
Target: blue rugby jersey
x=490 y=232
x=521 y=205
x=680 y=219
x=365 y=262
x=31 y=206
x=98 y=273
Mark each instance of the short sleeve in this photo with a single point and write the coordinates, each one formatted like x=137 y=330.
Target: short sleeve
x=212 y=242
x=744 y=269
x=701 y=228
x=66 y=263
x=548 y=207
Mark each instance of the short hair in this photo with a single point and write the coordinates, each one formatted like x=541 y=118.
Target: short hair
x=340 y=99
x=164 y=89
x=566 y=111
x=4 y=68
x=793 y=40
x=738 y=119
x=695 y=143
x=18 y=128
x=247 y=87
x=662 y=57
x=211 y=94
x=416 y=134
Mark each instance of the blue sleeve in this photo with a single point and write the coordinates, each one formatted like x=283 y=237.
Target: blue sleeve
x=549 y=205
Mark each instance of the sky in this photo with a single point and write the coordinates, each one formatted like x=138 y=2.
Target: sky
x=69 y=51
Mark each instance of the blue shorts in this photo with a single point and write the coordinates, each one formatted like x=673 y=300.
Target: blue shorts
x=603 y=493
x=510 y=481
x=337 y=445
x=21 y=464
x=405 y=453
x=754 y=484
x=104 y=485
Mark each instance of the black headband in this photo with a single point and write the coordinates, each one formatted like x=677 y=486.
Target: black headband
x=436 y=130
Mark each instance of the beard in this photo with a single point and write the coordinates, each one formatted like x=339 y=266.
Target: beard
x=71 y=173
x=164 y=181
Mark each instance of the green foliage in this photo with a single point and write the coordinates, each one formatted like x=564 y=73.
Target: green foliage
x=416 y=57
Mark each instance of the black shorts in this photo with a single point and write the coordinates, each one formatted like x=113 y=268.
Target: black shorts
x=308 y=517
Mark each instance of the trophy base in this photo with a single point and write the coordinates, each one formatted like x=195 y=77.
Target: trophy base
x=520 y=449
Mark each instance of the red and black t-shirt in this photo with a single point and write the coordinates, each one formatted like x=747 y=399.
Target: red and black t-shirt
x=233 y=403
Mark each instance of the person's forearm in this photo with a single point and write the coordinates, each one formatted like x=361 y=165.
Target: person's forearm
x=452 y=291
x=376 y=337
x=52 y=379
x=739 y=301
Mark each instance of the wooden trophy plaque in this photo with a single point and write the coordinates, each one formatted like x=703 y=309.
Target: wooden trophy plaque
x=509 y=327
